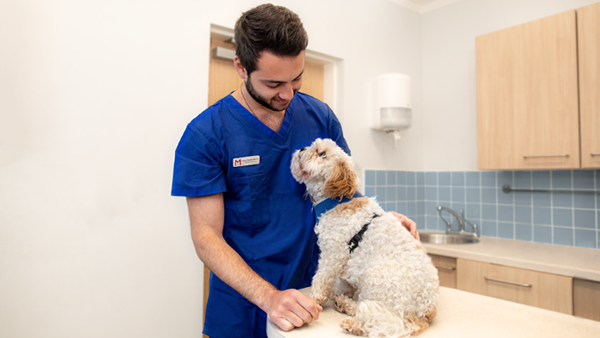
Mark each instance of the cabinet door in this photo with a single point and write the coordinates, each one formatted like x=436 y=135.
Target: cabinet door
x=527 y=96
x=588 y=30
x=586 y=299
x=543 y=290
x=446 y=267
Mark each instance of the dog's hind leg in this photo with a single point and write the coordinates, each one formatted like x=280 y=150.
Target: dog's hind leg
x=342 y=297
x=420 y=324
x=354 y=326
x=379 y=321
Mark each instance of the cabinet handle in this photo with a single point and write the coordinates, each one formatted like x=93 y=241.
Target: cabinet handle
x=507 y=282
x=537 y=156
x=595 y=154
x=445 y=267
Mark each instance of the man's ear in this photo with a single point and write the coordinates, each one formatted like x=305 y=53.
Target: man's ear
x=342 y=182
x=239 y=68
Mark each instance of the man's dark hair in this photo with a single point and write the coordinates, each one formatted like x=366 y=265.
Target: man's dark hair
x=268 y=27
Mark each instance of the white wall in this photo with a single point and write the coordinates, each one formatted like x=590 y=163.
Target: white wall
x=448 y=59
x=94 y=96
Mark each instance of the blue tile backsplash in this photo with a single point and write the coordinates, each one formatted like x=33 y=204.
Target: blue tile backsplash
x=557 y=218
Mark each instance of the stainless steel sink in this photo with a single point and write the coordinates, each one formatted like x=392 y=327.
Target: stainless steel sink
x=446 y=238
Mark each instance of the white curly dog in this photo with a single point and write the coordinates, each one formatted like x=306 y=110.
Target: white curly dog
x=369 y=265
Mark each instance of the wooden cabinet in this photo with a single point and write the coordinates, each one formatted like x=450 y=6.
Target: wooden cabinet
x=527 y=99
x=543 y=290
x=558 y=293
x=528 y=94
x=446 y=267
x=586 y=299
x=588 y=30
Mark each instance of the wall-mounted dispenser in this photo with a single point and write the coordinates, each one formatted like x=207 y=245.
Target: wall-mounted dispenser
x=393 y=110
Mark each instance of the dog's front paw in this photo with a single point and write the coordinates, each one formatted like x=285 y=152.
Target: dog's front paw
x=319 y=297
x=345 y=305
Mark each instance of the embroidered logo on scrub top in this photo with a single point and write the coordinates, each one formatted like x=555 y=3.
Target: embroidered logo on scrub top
x=246 y=161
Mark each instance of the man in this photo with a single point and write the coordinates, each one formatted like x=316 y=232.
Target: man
x=251 y=223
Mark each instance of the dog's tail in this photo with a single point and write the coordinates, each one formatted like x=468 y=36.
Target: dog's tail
x=379 y=321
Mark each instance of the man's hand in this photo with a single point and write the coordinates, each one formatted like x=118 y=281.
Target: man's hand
x=408 y=224
x=287 y=309
x=291 y=308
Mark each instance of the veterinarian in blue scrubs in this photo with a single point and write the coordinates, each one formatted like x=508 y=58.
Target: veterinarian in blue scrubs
x=252 y=223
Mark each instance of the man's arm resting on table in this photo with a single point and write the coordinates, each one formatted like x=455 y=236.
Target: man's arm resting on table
x=287 y=309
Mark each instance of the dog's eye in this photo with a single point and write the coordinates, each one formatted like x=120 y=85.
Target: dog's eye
x=323 y=155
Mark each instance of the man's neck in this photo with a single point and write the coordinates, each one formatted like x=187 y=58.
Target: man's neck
x=270 y=118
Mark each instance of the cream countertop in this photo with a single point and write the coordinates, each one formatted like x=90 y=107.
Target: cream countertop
x=463 y=314
x=557 y=259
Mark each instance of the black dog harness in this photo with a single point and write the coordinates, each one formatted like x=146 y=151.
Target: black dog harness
x=328 y=204
x=353 y=244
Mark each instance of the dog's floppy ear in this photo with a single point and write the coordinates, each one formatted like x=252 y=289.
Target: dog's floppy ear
x=342 y=182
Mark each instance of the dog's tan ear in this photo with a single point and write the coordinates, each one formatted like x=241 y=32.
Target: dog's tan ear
x=342 y=182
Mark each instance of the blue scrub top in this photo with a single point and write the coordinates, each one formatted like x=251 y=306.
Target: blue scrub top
x=268 y=219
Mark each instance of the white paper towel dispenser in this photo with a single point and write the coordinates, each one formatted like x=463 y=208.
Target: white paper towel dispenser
x=393 y=111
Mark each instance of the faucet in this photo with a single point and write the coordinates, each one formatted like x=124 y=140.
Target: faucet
x=473 y=225
x=461 y=221
x=461 y=225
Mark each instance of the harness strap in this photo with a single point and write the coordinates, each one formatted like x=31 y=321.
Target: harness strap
x=353 y=244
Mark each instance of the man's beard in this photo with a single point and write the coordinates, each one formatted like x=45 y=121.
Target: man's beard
x=260 y=99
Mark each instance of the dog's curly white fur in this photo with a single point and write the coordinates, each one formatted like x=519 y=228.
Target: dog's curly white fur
x=388 y=283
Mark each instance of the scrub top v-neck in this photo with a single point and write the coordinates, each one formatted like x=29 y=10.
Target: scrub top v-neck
x=268 y=220
x=252 y=119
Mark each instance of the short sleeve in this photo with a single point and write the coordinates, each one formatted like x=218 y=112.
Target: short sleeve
x=198 y=169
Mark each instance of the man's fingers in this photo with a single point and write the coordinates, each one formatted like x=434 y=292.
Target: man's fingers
x=282 y=323
x=412 y=227
x=286 y=320
x=297 y=319
x=303 y=307
x=408 y=224
x=297 y=314
x=416 y=235
x=310 y=306
x=292 y=309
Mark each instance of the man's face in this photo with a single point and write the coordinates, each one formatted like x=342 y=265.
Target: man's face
x=276 y=80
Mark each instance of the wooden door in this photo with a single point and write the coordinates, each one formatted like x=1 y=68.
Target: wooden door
x=527 y=96
x=223 y=79
x=588 y=30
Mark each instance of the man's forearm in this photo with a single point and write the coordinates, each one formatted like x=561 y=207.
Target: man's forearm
x=227 y=264
x=287 y=309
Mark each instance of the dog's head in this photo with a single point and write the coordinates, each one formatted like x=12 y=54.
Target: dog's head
x=325 y=169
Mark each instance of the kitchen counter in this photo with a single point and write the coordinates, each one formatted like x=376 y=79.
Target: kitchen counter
x=557 y=259
x=463 y=314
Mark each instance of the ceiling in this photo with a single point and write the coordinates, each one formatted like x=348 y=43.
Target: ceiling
x=422 y=6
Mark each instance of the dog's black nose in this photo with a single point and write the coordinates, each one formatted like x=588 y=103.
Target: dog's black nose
x=303 y=149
